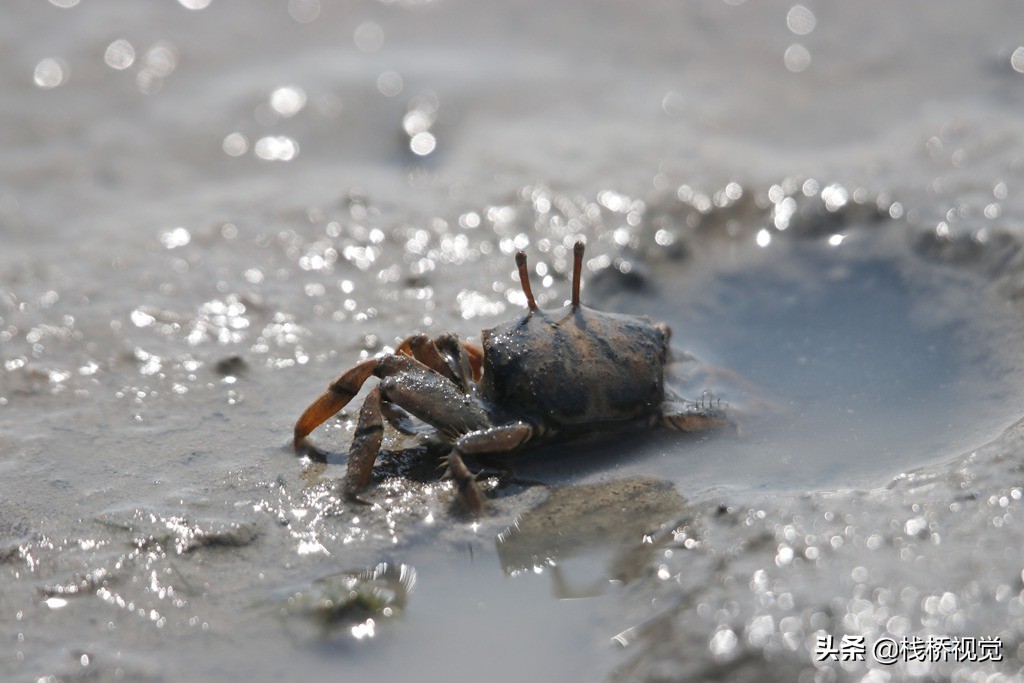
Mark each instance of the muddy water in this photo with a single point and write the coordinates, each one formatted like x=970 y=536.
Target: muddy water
x=209 y=209
x=837 y=359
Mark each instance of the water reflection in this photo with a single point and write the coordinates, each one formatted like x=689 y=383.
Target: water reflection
x=303 y=11
x=1017 y=60
x=235 y=144
x=351 y=602
x=50 y=73
x=288 y=100
x=369 y=36
x=800 y=20
x=276 y=148
x=390 y=83
x=119 y=55
x=159 y=62
x=418 y=124
x=619 y=520
x=797 y=58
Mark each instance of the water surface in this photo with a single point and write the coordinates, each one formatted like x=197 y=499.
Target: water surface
x=209 y=209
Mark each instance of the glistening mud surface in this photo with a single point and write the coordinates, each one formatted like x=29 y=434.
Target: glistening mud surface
x=209 y=209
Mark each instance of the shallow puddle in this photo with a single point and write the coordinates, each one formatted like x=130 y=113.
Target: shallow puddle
x=844 y=361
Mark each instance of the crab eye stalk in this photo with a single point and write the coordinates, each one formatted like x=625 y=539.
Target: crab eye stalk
x=577 y=269
x=524 y=279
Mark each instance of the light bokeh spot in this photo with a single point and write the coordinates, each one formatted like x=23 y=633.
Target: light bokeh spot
x=50 y=73
x=119 y=55
x=800 y=20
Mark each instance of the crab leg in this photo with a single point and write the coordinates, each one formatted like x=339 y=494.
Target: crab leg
x=425 y=351
x=692 y=417
x=443 y=355
x=430 y=396
x=458 y=360
x=365 y=444
x=412 y=386
x=398 y=418
x=476 y=358
x=491 y=440
x=459 y=355
x=338 y=394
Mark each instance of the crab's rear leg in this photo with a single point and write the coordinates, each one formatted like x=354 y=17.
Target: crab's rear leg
x=693 y=417
x=492 y=440
x=337 y=396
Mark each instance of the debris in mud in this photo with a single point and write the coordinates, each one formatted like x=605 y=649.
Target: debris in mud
x=232 y=366
x=352 y=601
x=179 y=534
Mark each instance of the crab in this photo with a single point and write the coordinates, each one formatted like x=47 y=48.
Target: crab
x=544 y=376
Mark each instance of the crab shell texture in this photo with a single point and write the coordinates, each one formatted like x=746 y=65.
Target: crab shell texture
x=575 y=369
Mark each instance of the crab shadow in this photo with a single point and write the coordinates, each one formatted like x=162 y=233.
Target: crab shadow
x=555 y=464
x=567 y=463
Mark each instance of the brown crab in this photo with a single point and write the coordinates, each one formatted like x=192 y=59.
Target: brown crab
x=545 y=375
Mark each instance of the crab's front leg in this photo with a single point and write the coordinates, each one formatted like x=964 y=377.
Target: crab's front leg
x=442 y=404
x=446 y=355
x=430 y=397
x=365 y=444
x=424 y=349
x=422 y=392
x=501 y=439
x=337 y=396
